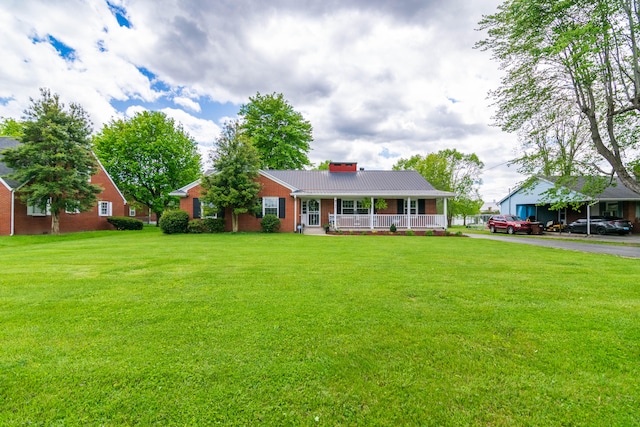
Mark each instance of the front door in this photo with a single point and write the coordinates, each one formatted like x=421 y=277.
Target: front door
x=311 y=210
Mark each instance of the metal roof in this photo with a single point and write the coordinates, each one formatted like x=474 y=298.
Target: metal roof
x=7 y=142
x=616 y=191
x=359 y=183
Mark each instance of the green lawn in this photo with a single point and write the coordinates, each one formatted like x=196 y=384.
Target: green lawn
x=140 y=328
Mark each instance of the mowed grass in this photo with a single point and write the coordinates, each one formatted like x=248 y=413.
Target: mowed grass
x=140 y=328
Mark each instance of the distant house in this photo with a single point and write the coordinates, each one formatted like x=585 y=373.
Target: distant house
x=343 y=196
x=18 y=218
x=615 y=200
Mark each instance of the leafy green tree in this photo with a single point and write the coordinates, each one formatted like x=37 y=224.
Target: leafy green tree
x=236 y=165
x=10 y=127
x=450 y=170
x=323 y=166
x=54 y=160
x=148 y=156
x=576 y=56
x=281 y=134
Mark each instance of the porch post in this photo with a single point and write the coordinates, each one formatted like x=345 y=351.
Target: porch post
x=445 y=213
x=295 y=213
x=588 y=219
x=371 y=210
x=408 y=213
x=335 y=212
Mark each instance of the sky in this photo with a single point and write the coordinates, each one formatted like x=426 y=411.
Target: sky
x=378 y=80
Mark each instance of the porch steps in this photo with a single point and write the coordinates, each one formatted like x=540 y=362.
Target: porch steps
x=314 y=231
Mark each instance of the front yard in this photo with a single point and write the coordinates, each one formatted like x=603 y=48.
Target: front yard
x=140 y=328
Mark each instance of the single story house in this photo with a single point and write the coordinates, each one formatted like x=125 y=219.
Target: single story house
x=615 y=200
x=344 y=197
x=18 y=218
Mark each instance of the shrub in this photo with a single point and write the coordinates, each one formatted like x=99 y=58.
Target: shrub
x=270 y=224
x=214 y=225
x=173 y=222
x=196 y=226
x=428 y=233
x=392 y=228
x=125 y=223
x=409 y=233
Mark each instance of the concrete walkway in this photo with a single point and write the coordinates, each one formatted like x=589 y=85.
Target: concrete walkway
x=574 y=242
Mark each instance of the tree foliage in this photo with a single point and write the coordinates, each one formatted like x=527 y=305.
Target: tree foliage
x=236 y=163
x=54 y=160
x=148 y=156
x=281 y=134
x=10 y=127
x=574 y=59
x=323 y=166
x=450 y=170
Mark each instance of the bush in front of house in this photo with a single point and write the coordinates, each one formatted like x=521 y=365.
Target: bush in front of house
x=125 y=223
x=173 y=222
x=270 y=224
x=196 y=226
x=214 y=225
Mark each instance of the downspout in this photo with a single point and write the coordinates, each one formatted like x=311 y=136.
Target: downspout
x=295 y=213
x=445 y=212
x=13 y=203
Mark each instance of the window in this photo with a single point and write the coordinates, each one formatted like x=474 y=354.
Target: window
x=38 y=211
x=132 y=212
x=270 y=206
x=353 y=207
x=208 y=210
x=413 y=208
x=72 y=210
x=104 y=208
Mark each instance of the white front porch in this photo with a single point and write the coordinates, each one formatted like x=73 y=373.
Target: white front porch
x=384 y=221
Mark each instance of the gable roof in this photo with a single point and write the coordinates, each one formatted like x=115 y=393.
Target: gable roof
x=617 y=191
x=5 y=171
x=9 y=142
x=345 y=184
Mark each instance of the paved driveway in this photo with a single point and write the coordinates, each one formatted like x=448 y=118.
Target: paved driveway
x=574 y=242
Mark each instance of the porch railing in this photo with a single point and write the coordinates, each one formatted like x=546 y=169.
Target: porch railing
x=380 y=221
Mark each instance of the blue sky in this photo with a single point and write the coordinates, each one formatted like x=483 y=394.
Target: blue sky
x=378 y=80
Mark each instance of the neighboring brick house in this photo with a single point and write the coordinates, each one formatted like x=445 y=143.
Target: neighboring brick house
x=615 y=200
x=18 y=218
x=343 y=196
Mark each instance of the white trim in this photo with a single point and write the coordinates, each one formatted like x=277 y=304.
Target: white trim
x=13 y=213
x=109 y=177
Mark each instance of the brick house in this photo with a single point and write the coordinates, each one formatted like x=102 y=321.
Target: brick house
x=343 y=196
x=18 y=218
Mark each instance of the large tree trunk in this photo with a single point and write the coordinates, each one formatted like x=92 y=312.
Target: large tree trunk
x=158 y=215
x=55 y=223
x=234 y=222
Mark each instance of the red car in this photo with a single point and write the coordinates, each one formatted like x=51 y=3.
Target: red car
x=509 y=223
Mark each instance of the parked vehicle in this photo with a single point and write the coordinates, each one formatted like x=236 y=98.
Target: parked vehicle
x=511 y=224
x=601 y=225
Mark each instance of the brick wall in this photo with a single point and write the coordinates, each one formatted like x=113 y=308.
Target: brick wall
x=5 y=210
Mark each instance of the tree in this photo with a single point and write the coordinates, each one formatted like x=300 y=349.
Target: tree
x=450 y=170
x=10 y=127
x=576 y=56
x=54 y=159
x=281 y=135
x=323 y=166
x=148 y=156
x=236 y=165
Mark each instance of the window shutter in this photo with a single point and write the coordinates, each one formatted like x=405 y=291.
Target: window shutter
x=281 y=207
x=421 y=207
x=339 y=203
x=197 y=210
x=221 y=213
x=259 y=213
x=400 y=209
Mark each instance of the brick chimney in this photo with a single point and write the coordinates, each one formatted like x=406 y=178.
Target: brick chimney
x=343 y=167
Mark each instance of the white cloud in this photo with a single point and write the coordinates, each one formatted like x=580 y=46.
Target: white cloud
x=377 y=80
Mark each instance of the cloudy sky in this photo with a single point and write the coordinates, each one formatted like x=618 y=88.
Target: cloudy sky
x=379 y=80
